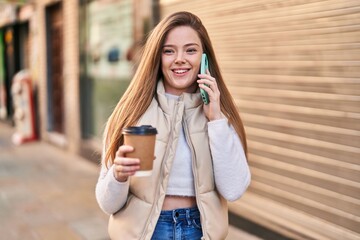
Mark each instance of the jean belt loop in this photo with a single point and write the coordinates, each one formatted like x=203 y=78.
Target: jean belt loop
x=188 y=219
x=174 y=215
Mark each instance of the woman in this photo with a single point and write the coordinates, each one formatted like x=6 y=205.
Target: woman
x=200 y=149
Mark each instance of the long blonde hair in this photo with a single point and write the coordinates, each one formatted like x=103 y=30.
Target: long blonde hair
x=142 y=88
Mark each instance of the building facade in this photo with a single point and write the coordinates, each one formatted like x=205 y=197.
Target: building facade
x=293 y=68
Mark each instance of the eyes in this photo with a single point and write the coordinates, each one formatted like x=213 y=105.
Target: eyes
x=170 y=51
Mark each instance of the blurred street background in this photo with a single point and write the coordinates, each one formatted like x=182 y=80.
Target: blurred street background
x=292 y=66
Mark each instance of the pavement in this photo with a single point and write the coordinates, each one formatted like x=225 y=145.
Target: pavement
x=47 y=193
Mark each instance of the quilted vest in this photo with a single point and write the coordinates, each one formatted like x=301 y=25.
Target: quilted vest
x=138 y=218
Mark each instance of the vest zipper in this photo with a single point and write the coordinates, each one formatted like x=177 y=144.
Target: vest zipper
x=196 y=180
x=162 y=166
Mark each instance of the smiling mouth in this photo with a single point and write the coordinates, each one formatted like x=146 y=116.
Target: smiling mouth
x=180 y=71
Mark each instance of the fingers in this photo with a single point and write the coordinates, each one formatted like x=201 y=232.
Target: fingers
x=208 y=83
x=207 y=77
x=124 y=166
x=210 y=86
x=122 y=150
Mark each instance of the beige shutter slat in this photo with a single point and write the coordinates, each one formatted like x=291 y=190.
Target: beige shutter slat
x=310 y=191
x=299 y=225
x=288 y=139
x=294 y=166
x=318 y=128
x=323 y=211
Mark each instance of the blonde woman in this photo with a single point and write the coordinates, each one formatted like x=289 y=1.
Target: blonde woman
x=200 y=149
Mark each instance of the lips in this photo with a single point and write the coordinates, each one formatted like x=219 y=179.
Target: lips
x=180 y=71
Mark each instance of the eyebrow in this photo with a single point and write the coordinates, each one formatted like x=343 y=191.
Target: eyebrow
x=186 y=45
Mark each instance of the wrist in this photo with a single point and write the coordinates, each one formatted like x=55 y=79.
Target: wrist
x=119 y=178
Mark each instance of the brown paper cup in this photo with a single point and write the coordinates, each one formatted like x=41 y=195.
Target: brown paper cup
x=143 y=140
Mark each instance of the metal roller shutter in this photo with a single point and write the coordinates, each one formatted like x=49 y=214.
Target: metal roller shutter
x=293 y=68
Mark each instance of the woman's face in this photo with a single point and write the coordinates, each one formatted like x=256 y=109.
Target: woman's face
x=180 y=60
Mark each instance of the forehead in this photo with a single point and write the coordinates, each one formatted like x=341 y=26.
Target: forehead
x=182 y=35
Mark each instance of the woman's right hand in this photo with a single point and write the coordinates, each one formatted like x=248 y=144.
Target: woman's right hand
x=123 y=166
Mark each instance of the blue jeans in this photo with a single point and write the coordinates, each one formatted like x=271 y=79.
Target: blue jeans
x=178 y=224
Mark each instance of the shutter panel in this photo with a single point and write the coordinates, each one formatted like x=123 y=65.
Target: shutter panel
x=293 y=68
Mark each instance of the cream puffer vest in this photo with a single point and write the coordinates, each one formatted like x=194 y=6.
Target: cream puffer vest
x=138 y=218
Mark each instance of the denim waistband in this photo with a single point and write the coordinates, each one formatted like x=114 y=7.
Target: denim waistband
x=179 y=214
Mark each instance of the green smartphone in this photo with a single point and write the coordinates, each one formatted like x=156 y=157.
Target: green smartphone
x=203 y=66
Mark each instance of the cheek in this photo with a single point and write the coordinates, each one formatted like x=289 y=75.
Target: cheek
x=197 y=66
x=164 y=68
x=165 y=63
x=166 y=59
x=162 y=64
x=197 y=62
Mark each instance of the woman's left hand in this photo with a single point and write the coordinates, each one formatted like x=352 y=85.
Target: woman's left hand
x=212 y=110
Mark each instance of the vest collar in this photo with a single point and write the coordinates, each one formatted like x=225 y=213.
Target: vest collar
x=190 y=100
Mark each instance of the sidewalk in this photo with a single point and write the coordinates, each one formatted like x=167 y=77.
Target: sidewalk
x=49 y=194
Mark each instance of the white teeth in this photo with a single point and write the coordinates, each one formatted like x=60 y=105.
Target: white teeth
x=180 y=71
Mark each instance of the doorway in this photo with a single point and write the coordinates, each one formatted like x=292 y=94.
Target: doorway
x=55 y=80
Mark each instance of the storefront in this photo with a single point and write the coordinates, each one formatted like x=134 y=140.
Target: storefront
x=111 y=34
x=7 y=20
x=14 y=52
x=81 y=56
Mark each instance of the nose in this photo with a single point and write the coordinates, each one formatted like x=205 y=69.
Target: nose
x=180 y=58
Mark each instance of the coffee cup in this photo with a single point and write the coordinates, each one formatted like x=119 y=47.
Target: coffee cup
x=142 y=139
